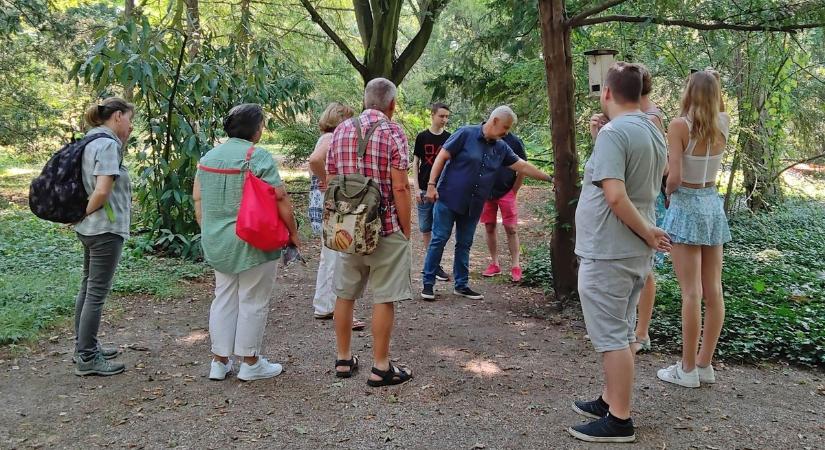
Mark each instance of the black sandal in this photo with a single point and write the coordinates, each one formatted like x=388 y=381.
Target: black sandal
x=352 y=363
x=389 y=377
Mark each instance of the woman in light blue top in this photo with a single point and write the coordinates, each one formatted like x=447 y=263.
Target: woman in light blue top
x=103 y=230
x=697 y=225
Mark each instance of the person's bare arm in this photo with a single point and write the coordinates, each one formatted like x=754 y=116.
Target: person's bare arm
x=677 y=135
x=103 y=189
x=318 y=159
x=518 y=183
x=618 y=201
x=415 y=163
x=286 y=212
x=524 y=168
x=196 y=197
x=435 y=174
x=401 y=196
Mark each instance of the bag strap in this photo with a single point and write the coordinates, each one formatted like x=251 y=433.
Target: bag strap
x=243 y=168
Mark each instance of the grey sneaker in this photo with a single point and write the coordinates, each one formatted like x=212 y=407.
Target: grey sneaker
x=98 y=366
x=107 y=352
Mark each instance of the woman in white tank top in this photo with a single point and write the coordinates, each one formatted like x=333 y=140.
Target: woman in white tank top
x=697 y=225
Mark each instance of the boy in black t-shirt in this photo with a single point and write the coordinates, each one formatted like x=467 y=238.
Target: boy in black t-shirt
x=427 y=145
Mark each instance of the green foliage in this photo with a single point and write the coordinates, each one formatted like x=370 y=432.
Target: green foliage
x=298 y=140
x=538 y=268
x=774 y=279
x=41 y=265
x=182 y=94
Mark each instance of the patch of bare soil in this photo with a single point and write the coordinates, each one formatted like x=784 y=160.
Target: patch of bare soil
x=495 y=373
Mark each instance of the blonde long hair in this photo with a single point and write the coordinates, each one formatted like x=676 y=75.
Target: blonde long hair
x=700 y=105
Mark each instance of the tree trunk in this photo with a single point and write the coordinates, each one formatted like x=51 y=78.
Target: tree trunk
x=128 y=12
x=244 y=31
x=558 y=63
x=193 y=26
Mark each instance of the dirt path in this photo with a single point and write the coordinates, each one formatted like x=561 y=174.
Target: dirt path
x=497 y=373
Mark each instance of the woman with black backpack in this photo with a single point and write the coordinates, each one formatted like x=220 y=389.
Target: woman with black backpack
x=103 y=229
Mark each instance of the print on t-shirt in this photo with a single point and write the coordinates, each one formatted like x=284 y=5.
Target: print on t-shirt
x=427 y=146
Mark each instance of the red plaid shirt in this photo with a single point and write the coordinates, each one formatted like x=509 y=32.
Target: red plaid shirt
x=387 y=148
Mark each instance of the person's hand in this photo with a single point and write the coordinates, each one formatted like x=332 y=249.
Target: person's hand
x=295 y=240
x=419 y=198
x=432 y=193
x=658 y=240
x=597 y=121
x=322 y=185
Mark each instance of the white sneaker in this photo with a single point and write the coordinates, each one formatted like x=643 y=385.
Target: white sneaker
x=260 y=370
x=674 y=374
x=218 y=370
x=706 y=374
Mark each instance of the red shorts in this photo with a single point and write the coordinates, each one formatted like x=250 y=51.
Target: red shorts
x=509 y=210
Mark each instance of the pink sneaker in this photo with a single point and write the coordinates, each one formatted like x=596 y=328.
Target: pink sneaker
x=492 y=270
x=515 y=272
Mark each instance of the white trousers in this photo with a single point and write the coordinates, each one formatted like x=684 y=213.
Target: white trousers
x=237 y=317
x=324 y=300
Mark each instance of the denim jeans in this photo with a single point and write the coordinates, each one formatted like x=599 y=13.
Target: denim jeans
x=101 y=255
x=465 y=227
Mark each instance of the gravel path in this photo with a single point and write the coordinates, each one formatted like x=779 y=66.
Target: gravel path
x=496 y=373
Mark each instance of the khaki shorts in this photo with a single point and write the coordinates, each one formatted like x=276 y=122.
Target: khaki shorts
x=387 y=270
x=609 y=290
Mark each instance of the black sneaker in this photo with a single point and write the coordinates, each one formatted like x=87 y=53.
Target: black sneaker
x=427 y=293
x=595 y=409
x=606 y=429
x=467 y=292
x=441 y=275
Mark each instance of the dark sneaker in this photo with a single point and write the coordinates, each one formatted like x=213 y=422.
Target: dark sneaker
x=441 y=275
x=467 y=292
x=107 y=352
x=427 y=293
x=606 y=429
x=98 y=366
x=595 y=409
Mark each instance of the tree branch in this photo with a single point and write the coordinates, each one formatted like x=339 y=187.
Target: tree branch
x=575 y=20
x=363 y=16
x=806 y=160
x=416 y=46
x=335 y=38
x=710 y=25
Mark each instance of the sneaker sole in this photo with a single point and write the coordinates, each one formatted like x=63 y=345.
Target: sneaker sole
x=428 y=297
x=83 y=373
x=490 y=275
x=260 y=377
x=606 y=439
x=472 y=297
x=583 y=412
x=441 y=278
x=679 y=382
x=706 y=381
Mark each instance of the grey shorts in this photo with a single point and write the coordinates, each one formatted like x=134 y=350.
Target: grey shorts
x=609 y=290
x=387 y=270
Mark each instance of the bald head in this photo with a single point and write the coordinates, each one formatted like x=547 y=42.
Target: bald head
x=380 y=94
x=501 y=120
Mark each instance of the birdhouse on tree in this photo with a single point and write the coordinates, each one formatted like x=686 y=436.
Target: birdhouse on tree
x=598 y=61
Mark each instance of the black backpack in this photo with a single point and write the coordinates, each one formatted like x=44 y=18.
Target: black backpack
x=58 y=195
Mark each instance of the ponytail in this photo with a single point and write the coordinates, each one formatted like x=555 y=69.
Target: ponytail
x=98 y=114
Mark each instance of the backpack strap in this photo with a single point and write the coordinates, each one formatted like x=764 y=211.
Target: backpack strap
x=231 y=171
x=364 y=140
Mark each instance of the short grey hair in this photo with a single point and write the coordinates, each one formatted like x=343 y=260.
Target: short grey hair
x=379 y=93
x=503 y=112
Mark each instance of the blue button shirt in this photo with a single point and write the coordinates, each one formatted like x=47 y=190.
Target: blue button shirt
x=469 y=175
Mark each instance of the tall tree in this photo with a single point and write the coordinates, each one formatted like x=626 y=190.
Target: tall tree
x=378 y=23
x=556 y=28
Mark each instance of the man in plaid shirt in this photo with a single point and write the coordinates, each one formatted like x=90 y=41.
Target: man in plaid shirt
x=387 y=270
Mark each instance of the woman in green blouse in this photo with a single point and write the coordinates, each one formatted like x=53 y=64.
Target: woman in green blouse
x=244 y=275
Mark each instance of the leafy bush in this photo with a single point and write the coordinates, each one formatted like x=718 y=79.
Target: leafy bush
x=40 y=270
x=538 y=268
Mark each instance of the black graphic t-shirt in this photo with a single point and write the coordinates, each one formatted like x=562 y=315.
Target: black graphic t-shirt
x=427 y=146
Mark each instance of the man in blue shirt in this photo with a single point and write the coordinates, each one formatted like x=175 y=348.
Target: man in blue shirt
x=469 y=161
